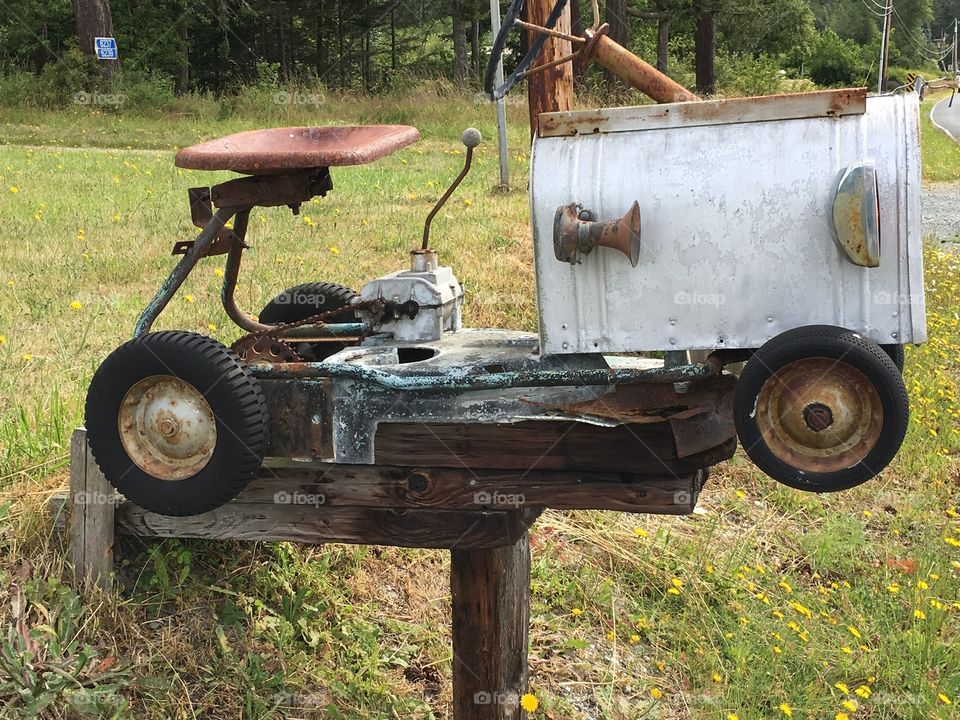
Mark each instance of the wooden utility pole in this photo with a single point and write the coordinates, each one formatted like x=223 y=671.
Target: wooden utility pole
x=549 y=90
x=95 y=20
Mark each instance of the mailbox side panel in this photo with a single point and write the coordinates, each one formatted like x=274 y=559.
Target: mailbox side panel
x=736 y=233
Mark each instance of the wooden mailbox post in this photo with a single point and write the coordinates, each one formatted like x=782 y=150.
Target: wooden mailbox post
x=407 y=506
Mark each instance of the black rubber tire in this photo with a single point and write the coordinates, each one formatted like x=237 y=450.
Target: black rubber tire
x=303 y=301
x=896 y=354
x=822 y=341
x=234 y=397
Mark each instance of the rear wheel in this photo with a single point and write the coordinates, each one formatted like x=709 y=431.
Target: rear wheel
x=821 y=408
x=896 y=354
x=176 y=422
x=304 y=301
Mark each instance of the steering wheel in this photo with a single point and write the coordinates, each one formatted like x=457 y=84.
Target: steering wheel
x=500 y=44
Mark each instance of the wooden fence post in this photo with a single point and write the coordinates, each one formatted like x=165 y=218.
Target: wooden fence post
x=92 y=506
x=491 y=615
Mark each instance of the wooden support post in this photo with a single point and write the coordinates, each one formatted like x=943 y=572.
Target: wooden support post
x=549 y=90
x=491 y=615
x=91 y=516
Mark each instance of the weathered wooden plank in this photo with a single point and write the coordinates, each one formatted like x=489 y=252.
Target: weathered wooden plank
x=424 y=528
x=541 y=445
x=490 y=592
x=822 y=104
x=300 y=418
x=91 y=516
x=459 y=488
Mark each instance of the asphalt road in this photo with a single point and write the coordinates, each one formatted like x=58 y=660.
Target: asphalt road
x=948 y=118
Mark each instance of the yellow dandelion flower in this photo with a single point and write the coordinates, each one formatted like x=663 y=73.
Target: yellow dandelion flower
x=334 y=250
x=717 y=678
x=777 y=649
x=922 y=584
x=116 y=217
x=786 y=709
x=26 y=357
x=529 y=703
x=934 y=576
x=677 y=582
x=673 y=591
x=863 y=691
x=656 y=693
x=634 y=639
x=951 y=513
x=218 y=272
x=611 y=636
x=576 y=612
x=919 y=614
x=868 y=513
x=853 y=631
x=942 y=697
x=842 y=687
x=14 y=189
x=847 y=650
x=740 y=494
x=733 y=716
x=841 y=716
x=952 y=541
x=709 y=569
x=189 y=298
x=3 y=339
x=893 y=588
x=640 y=532
x=76 y=305
x=850 y=705
x=212 y=327
x=786 y=586
x=467 y=202
x=778 y=615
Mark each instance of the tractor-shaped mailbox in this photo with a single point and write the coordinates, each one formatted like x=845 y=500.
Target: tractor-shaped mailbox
x=780 y=231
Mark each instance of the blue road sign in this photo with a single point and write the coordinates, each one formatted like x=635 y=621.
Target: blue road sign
x=106 y=48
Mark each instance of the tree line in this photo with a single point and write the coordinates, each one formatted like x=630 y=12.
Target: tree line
x=221 y=46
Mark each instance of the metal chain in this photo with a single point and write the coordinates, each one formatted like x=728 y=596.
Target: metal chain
x=373 y=305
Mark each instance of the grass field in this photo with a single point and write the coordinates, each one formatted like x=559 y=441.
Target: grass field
x=767 y=603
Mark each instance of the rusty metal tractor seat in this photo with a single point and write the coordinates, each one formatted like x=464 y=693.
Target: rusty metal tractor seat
x=277 y=151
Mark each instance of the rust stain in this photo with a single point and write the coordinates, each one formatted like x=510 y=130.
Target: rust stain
x=276 y=150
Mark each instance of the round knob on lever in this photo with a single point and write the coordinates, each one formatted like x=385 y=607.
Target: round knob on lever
x=471 y=137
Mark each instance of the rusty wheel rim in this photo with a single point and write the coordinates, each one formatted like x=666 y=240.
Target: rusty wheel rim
x=819 y=415
x=167 y=427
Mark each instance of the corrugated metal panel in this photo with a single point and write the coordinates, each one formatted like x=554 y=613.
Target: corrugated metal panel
x=736 y=237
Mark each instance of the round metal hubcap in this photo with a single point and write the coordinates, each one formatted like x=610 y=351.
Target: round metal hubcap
x=819 y=415
x=167 y=427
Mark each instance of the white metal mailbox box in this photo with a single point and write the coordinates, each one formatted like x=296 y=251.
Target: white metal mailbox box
x=745 y=207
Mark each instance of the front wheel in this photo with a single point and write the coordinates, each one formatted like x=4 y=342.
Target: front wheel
x=176 y=422
x=821 y=408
